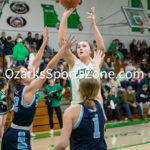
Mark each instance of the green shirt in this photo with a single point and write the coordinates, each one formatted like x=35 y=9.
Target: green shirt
x=114 y=99
x=54 y=88
x=122 y=77
x=113 y=46
x=20 y=52
x=2 y=96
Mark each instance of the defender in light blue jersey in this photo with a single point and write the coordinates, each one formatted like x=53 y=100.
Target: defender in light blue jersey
x=17 y=136
x=84 y=123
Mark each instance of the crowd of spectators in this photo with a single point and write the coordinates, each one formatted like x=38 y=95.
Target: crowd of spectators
x=128 y=89
x=21 y=51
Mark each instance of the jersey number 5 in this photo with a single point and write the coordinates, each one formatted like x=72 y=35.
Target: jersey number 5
x=96 y=127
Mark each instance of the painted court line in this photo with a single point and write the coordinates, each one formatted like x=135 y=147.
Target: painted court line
x=130 y=146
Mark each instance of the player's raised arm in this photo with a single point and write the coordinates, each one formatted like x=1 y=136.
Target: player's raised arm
x=66 y=131
x=69 y=57
x=63 y=26
x=97 y=34
x=37 y=83
x=39 y=55
x=97 y=61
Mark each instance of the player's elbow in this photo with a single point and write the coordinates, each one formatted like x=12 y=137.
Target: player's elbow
x=63 y=145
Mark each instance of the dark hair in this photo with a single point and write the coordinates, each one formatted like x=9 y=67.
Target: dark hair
x=8 y=38
x=3 y=82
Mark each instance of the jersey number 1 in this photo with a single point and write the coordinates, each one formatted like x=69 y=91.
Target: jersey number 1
x=96 y=127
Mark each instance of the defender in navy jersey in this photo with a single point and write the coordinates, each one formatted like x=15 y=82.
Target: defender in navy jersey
x=17 y=136
x=84 y=122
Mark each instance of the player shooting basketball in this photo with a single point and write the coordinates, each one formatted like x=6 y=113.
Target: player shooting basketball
x=83 y=65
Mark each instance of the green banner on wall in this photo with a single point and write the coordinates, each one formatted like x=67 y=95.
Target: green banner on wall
x=2 y=4
x=148 y=4
x=50 y=16
x=74 y=20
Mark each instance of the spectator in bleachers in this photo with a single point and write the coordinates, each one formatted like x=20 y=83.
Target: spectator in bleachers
x=130 y=67
x=8 y=51
x=35 y=45
x=108 y=65
x=146 y=80
x=104 y=87
x=114 y=82
x=139 y=52
x=27 y=45
x=122 y=77
x=139 y=42
x=148 y=53
x=2 y=41
x=37 y=40
x=106 y=102
x=53 y=92
x=94 y=45
x=144 y=66
x=122 y=49
x=20 y=53
x=138 y=78
x=62 y=79
x=114 y=107
x=113 y=46
x=144 y=45
x=29 y=38
x=3 y=38
x=133 y=48
x=45 y=62
x=143 y=98
x=19 y=36
x=49 y=50
x=129 y=101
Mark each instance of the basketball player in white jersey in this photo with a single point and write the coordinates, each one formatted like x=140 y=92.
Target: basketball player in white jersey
x=81 y=66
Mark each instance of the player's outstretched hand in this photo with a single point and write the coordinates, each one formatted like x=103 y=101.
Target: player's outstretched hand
x=45 y=34
x=68 y=43
x=68 y=12
x=91 y=16
x=98 y=58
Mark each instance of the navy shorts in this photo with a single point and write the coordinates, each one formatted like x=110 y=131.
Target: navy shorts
x=15 y=139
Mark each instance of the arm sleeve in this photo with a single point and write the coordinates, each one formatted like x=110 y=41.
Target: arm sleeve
x=45 y=90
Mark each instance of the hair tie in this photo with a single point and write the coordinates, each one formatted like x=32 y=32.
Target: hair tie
x=90 y=99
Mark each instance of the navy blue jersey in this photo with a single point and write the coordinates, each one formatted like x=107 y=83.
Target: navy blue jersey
x=23 y=114
x=88 y=132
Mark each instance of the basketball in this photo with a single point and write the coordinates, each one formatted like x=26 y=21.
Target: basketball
x=70 y=3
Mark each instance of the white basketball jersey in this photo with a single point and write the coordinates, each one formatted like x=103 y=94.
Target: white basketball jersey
x=79 y=71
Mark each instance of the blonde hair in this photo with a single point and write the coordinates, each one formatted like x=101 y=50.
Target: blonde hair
x=113 y=93
x=89 y=88
x=33 y=50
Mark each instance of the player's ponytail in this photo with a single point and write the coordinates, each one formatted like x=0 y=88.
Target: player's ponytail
x=89 y=103
x=13 y=82
x=89 y=88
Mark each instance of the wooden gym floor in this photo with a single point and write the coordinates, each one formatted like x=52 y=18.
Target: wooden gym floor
x=119 y=136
